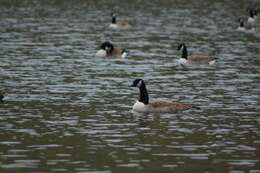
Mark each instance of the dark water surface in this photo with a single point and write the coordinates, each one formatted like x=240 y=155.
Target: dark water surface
x=67 y=111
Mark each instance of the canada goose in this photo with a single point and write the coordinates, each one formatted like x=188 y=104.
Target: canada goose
x=118 y=24
x=194 y=59
x=245 y=26
x=155 y=106
x=107 y=49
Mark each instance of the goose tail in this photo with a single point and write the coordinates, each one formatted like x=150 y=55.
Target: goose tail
x=213 y=60
x=196 y=107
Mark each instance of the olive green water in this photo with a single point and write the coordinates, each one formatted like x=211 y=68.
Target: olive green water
x=67 y=111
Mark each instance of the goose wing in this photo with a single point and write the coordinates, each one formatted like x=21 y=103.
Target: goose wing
x=117 y=52
x=200 y=58
x=123 y=24
x=167 y=107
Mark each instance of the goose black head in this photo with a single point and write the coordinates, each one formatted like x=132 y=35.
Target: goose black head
x=241 y=22
x=137 y=83
x=252 y=13
x=107 y=46
x=181 y=46
x=113 y=15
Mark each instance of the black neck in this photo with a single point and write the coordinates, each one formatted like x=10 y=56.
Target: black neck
x=114 y=19
x=143 y=95
x=251 y=13
x=110 y=51
x=184 y=52
x=241 y=24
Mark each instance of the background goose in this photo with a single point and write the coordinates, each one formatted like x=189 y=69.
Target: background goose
x=107 y=49
x=118 y=24
x=194 y=59
x=156 y=106
x=245 y=26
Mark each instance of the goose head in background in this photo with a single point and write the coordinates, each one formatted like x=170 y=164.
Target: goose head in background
x=244 y=26
x=118 y=24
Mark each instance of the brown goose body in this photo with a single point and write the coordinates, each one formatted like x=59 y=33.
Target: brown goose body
x=161 y=106
x=123 y=24
x=200 y=59
x=117 y=52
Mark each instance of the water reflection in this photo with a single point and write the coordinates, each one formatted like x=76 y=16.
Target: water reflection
x=67 y=111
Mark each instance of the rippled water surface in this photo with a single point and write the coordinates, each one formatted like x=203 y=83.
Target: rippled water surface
x=67 y=111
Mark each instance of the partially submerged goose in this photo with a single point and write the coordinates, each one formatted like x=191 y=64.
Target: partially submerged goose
x=107 y=49
x=194 y=59
x=155 y=106
x=245 y=26
x=118 y=24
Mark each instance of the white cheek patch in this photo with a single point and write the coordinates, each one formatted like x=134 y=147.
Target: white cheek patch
x=182 y=47
x=140 y=83
x=107 y=48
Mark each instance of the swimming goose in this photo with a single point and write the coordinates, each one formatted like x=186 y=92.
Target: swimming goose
x=245 y=26
x=194 y=59
x=107 y=49
x=155 y=106
x=118 y=24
